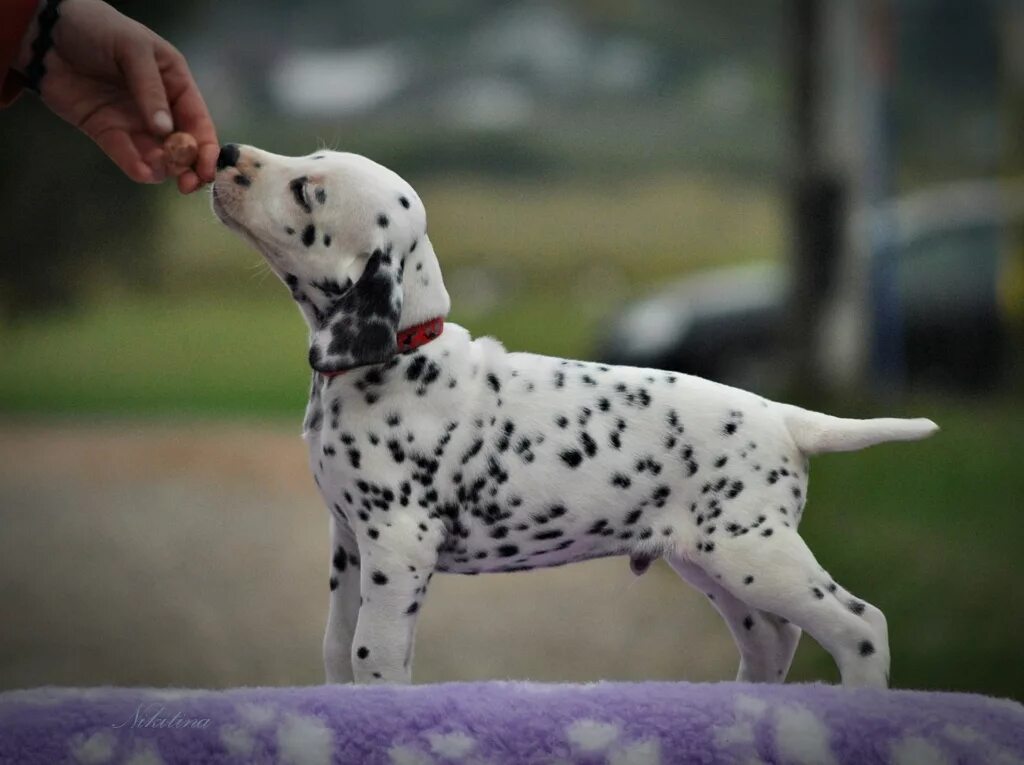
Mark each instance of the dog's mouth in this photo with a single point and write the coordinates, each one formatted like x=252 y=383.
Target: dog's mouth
x=225 y=198
x=218 y=205
x=225 y=204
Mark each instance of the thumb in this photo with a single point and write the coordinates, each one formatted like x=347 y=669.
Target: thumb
x=147 y=88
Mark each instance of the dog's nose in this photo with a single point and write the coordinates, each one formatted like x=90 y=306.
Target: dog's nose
x=228 y=156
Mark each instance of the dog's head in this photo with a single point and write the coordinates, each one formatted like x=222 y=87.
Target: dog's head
x=339 y=230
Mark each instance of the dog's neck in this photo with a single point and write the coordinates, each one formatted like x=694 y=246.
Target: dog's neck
x=424 y=294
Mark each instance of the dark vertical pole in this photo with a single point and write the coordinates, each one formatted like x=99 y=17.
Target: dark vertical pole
x=817 y=200
x=888 y=334
x=1011 y=22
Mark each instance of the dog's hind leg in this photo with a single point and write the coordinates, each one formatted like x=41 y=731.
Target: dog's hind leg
x=766 y=643
x=775 y=572
x=344 y=603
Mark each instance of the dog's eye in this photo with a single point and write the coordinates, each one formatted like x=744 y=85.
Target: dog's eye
x=300 y=190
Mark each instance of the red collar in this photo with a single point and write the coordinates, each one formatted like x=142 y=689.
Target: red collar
x=410 y=339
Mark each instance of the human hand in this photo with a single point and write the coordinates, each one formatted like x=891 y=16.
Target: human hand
x=126 y=88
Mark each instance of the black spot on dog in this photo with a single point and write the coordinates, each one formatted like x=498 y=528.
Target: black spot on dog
x=589 y=445
x=402 y=200
x=363 y=652
x=379 y=577
x=571 y=457
x=735 y=489
x=866 y=648
x=309 y=235
x=330 y=287
x=551 y=534
x=622 y=481
x=383 y=221
x=339 y=560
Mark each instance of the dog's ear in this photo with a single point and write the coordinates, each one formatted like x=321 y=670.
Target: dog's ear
x=361 y=326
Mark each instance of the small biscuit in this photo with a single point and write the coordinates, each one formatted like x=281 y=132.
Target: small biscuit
x=180 y=150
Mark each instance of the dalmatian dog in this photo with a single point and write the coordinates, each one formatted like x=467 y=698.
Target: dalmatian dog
x=438 y=452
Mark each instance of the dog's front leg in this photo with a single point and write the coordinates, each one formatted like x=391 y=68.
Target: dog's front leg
x=344 y=604
x=393 y=590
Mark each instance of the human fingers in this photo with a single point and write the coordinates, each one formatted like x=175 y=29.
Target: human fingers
x=137 y=60
x=189 y=182
x=117 y=144
x=191 y=114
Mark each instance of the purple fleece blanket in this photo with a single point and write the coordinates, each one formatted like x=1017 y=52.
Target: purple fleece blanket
x=509 y=722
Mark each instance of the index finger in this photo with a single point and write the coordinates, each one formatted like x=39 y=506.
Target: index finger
x=191 y=115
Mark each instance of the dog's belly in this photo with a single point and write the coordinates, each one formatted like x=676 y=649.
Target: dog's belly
x=453 y=563
x=516 y=540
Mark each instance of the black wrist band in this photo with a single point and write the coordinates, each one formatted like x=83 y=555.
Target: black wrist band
x=36 y=69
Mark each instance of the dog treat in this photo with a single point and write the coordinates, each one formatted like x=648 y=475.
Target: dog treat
x=180 y=150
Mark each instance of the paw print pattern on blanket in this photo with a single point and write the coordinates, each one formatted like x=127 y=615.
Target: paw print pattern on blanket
x=296 y=739
x=799 y=736
x=101 y=747
x=792 y=733
x=588 y=737
x=511 y=723
x=586 y=740
x=446 y=746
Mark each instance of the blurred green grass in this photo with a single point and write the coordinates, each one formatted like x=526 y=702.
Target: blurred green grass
x=539 y=266
x=929 y=532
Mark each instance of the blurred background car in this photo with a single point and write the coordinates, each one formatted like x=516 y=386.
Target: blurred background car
x=158 y=523
x=952 y=305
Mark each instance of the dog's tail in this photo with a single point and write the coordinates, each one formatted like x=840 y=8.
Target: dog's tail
x=816 y=433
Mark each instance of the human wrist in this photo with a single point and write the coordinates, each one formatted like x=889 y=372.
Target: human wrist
x=37 y=43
